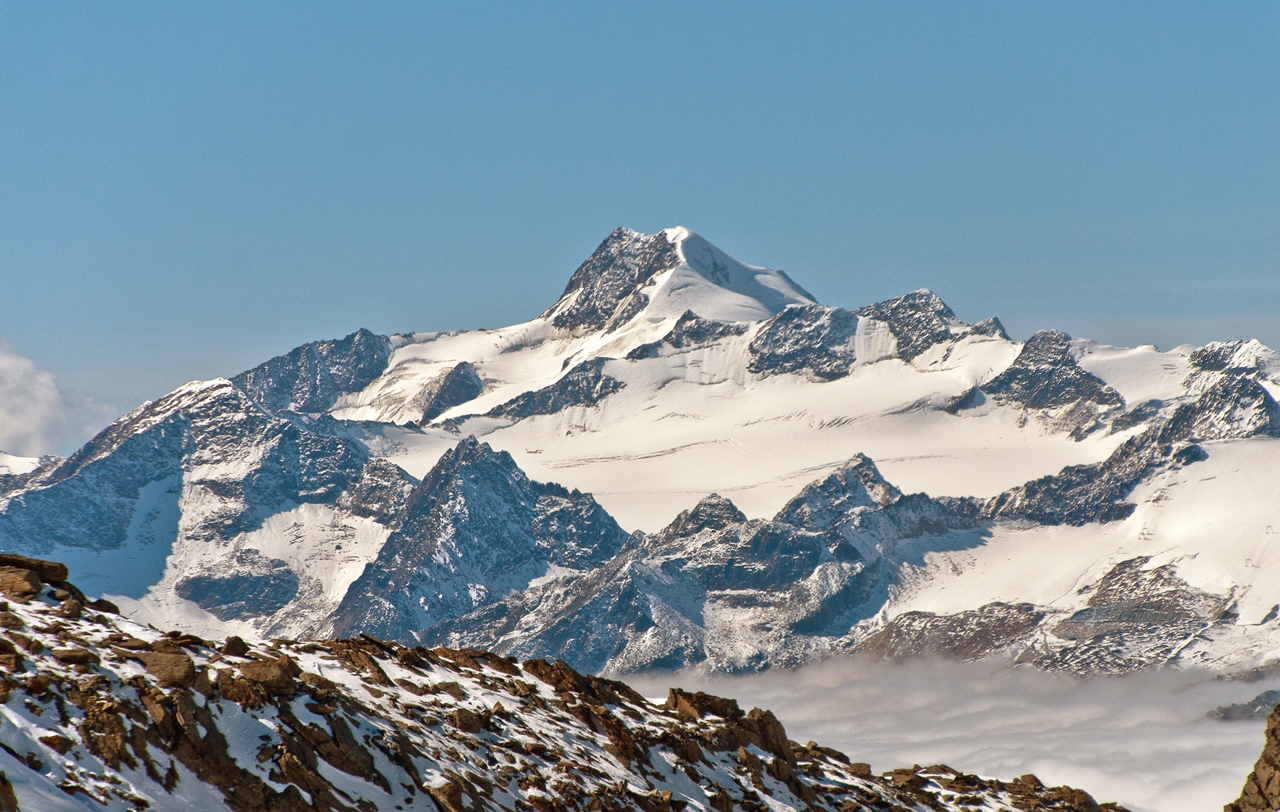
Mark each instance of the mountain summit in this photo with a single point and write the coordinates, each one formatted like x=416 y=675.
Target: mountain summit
x=664 y=275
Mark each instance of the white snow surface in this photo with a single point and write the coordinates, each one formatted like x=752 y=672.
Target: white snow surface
x=11 y=464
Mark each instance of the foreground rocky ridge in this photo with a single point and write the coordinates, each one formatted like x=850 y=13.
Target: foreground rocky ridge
x=1261 y=791
x=99 y=709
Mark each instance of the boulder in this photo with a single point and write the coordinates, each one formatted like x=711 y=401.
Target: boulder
x=171 y=670
x=235 y=647
x=47 y=571
x=75 y=656
x=19 y=584
x=275 y=677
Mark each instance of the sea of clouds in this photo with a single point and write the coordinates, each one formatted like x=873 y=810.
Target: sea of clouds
x=1143 y=740
x=37 y=416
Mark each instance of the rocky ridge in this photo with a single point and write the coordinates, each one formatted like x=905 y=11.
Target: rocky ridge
x=721 y=591
x=101 y=710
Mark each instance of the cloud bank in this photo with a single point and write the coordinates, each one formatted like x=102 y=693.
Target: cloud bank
x=39 y=417
x=1142 y=740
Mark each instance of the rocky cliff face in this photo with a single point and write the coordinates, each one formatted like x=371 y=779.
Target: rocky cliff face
x=604 y=292
x=312 y=377
x=584 y=385
x=103 y=711
x=716 y=589
x=208 y=446
x=473 y=530
x=1261 y=791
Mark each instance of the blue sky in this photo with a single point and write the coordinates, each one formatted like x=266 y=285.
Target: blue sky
x=186 y=191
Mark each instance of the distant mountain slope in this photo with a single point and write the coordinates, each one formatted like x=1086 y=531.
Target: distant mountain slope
x=1083 y=507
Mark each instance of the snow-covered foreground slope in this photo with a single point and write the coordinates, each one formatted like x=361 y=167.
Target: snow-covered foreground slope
x=97 y=712
x=1086 y=508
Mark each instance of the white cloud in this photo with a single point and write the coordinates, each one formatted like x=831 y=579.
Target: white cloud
x=39 y=417
x=1142 y=741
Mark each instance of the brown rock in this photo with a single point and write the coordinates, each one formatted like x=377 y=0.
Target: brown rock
x=75 y=656
x=71 y=608
x=19 y=584
x=170 y=670
x=29 y=645
x=8 y=620
x=272 y=675
x=37 y=685
x=467 y=721
x=721 y=802
x=204 y=682
x=690 y=706
x=103 y=605
x=46 y=571
x=60 y=744
x=860 y=769
x=8 y=798
x=235 y=647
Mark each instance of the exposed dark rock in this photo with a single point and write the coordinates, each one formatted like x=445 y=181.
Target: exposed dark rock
x=690 y=330
x=381 y=493
x=1259 y=707
x=1261 y=791
x=1045 y=375
x=802 y=572
x=171 y=669
x=604 y=293
x=245 y=584
x=964 y=635
x=46 y=571
x=1228 y=407
x=1136 y=617
x=474 y=526
x=1234 y=406
x=312 y=377
x=814 y=339
x=584 y=385
x=91 y=499
x=714 y=512
x=20 y=585
x=825 y=503
x=453 y=387
x=1225 y=356
x=919 y=320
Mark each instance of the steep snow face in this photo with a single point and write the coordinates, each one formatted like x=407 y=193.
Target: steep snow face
x=715 y=286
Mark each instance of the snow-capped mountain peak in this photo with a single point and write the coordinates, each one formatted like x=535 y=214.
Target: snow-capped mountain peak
x=664 y=275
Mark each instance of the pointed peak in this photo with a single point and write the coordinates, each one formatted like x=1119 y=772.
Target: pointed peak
x=621 y=279
x=824 y=503
x=599 y=290
x=919 y=320
x=714 y=512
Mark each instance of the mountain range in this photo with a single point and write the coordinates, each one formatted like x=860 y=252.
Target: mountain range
x=687 y=461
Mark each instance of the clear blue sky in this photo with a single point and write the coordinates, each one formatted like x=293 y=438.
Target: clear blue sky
x=187 y=189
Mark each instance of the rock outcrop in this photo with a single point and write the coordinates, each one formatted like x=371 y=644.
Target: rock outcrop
x=1261 y=791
